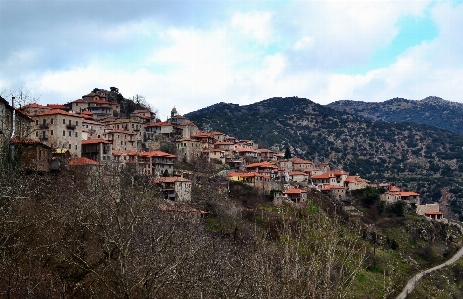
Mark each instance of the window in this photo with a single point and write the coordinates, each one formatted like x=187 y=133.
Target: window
x=70 y=133
x=77 y=123
x=76 y=146
x=64 y=121
x=36 y=133
x=70 y=122
x=51 y=132
x=36 y=121
x=76 y=134
x=64 y=133
x=69 y=146
x=51 y=120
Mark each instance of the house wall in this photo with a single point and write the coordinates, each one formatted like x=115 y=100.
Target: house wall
x=59 y=131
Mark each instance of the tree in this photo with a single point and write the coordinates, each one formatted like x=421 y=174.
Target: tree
x=287 y=153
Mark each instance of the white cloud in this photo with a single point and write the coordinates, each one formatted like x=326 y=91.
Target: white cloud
x=256 y=24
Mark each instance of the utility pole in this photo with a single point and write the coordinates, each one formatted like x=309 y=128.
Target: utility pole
x=13 y=124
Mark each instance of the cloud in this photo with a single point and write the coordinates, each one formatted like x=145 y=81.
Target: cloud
x=192 y=54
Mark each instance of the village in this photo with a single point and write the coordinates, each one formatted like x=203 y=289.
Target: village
x=92 y=133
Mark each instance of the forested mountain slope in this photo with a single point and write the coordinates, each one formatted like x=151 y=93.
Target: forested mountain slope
x=413 y=156
x=432 y=111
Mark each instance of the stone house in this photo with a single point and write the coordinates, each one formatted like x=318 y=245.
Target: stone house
x=301 y=164
x=296 y=195
x=23 y=123
x=35 y=156
x=121 y=140
x=188 y=149
x=157 y=129
x=130 y=125
x=156 y=163
x=265 y=154
x=97 y=149
x=395 y=194
x=298 y=176
x=334 y=178
x=355 y=183
x=174 y=188
x=59 y=129
x=94 y=129
x=334 y=192
x=431 y=211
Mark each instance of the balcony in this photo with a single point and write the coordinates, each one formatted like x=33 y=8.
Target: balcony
x=43 y=138
x=70 y=127
x=44 y=126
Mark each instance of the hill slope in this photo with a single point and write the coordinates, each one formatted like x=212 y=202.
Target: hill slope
x=414 y=156
x=431 y=111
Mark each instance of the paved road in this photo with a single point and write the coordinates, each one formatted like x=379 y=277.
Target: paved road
x=412 y=282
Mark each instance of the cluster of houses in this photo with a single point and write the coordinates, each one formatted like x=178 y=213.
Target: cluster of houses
x=91 y=131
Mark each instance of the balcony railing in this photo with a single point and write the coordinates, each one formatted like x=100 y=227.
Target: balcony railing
x=44 y=126
x=43 y=138
x=71 y=127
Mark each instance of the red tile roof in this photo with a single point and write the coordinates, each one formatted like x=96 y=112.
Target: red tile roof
x=261 y=165
x=298 y=173
x=95 y=141
x=156 y=154
x=329 y=174
x=294 y=191
x=59 y=111
x=83 y=161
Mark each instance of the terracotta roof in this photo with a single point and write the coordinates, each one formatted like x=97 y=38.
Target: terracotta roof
x=83 y=161
x=405 y=194
x=79 y=101
x=264 y=150
x=34 y=105
x=394 y=189
x=95 y=141
x=329 y=174
x=433 y=213
x=298 y=173
x=294 y=191
x=58 y=111
x=156 y=154
x=57 y=106
x=262 y=165
x=245 y=150
x=28 y=141
x=158 y=124
x=299 y=160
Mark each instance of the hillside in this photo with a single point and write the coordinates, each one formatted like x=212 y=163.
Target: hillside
x=431 y=111
x=413 y=156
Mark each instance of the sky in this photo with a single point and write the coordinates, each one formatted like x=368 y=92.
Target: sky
x=192 y=53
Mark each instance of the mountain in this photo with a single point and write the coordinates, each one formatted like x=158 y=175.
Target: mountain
x=413 y=156
x=432 y=111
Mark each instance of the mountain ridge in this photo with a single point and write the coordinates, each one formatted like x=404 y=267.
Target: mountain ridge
x=432 y=111
x=414 y=156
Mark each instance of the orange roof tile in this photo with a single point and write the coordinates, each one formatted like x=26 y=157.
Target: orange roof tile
x=59 y=111
x=83 y=161
x=95 y=141
x=294 y=191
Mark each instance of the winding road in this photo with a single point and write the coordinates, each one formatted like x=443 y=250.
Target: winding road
x=412 y=282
